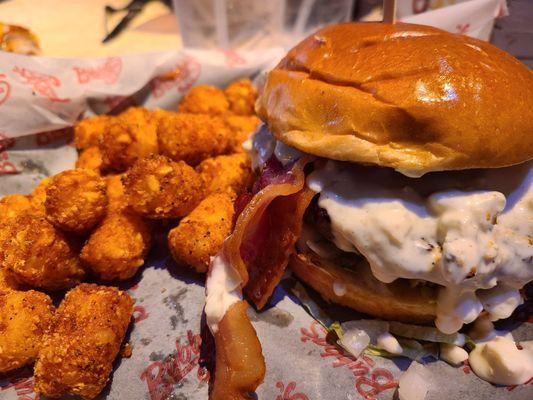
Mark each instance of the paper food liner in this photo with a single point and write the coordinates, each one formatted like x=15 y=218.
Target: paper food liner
x=47 y=95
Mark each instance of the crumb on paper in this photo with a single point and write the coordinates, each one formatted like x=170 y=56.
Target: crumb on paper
x=126 y=351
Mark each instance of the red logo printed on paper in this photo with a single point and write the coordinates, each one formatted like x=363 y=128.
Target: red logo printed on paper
x=182 y=77
x=233 y=59
x=286 y=392
x=5 y=89
x=369 y=381
x=466 y=367
x=6 y=166
x=23 y=387
x=160 y=376
x=108 y=72
x=139 y=314
x=462 y=28
x=41 y=84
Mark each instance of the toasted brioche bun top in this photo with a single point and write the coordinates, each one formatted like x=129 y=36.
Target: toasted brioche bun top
x=410 y=97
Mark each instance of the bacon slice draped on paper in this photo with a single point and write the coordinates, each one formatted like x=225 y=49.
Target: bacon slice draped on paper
x=258 y=249
x=267 y=229
x=239 y=365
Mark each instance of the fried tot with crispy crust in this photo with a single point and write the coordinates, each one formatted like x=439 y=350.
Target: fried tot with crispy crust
x=88 y=131
x=38 y=194
x=24 y=317
x=116 y=198
x=204 y=99
x=239 y=364
x=7 y=281
x=226 y=173
x=193 y=138
x=37 y=254
x=13 y=205
x=130 y=136
x=157 y=115
x=90 y=158
x=118 y=247
x=76 y=200
x=200 y=235
x=77 y=352
x=241 y=96
x=157 y=187
x=242 y=127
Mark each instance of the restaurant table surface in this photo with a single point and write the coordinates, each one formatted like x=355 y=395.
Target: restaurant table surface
x=75 y=28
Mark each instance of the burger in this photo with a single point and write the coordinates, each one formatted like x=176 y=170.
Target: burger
x=395 y=176
x=418 y=144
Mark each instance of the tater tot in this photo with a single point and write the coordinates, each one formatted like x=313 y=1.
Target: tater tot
x=7 y=281
x=204 y=99
x=157 y=187
x=90 y=158
x=24 y=317
x=87 y=330
x=38 y=194
x=87 y=132
x=158 y=114
x=242 y=128
x=116 y=198
x=200 y=235
x=226 y=173
x=241 y=96
x=118 y=247
x=76 y=200
x=130 y=136
x=37 y=254
x=193 y=138
x=13 y=205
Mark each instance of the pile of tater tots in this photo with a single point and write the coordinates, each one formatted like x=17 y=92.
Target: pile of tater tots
x=140 y=172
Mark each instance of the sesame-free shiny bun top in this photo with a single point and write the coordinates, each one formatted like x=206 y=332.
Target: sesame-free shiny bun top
x=410 y=97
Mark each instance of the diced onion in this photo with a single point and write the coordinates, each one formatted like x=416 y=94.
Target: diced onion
x=413 y=384
x=354 y=341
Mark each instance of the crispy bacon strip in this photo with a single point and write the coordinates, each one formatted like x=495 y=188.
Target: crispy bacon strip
x=258 y=249
x=240 y=365
x=266 y=230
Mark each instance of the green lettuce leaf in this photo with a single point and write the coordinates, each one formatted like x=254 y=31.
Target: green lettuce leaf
x=426 y=333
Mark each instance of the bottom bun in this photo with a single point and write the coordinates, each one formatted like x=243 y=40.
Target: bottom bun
x=397 y=301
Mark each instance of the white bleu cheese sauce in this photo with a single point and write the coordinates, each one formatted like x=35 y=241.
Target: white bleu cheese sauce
x=388 y=342
x=500 y=361
x=452 y=354
x=496 y=357
x=339 y=288
x=476 y=242
x=222 y=291
x=263 y=145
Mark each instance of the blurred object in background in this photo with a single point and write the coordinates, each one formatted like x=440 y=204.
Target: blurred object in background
x=253 y=24
x=474 y=18
x=131 y=10
x=514 y=33
x=78 y=26
x=75 y=28
x=17 y=39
